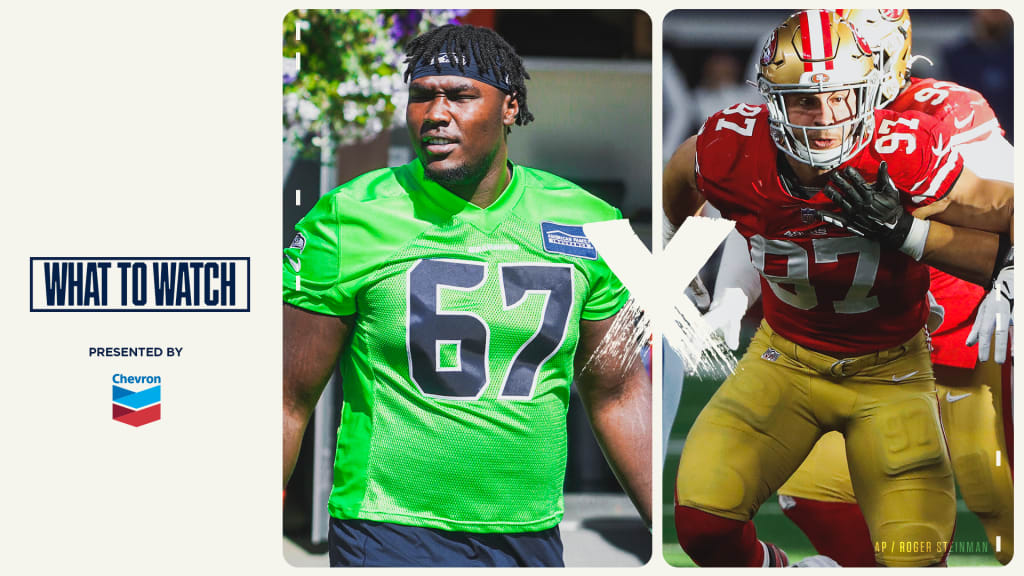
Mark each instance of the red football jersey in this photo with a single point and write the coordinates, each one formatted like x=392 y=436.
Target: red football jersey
x=823 y=287
x=969 y=117
x=964 y=111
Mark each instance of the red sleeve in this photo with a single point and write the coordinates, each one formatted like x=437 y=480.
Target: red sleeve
x=726 y=146
x=919 y=153
x=966 y=112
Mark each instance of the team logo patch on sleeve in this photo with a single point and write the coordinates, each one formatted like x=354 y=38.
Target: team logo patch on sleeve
x=298 y=242
x=566 y=239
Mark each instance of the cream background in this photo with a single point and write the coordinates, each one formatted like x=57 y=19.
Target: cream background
x=154 y=130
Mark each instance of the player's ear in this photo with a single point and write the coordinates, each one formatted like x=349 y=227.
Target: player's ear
x=509 y=110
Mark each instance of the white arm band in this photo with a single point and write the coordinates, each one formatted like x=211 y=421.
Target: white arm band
x=913 y=245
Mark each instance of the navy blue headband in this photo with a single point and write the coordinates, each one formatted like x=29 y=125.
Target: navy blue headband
x=448 y=67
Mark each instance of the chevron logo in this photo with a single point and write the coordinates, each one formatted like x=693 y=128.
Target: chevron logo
x=137 y=408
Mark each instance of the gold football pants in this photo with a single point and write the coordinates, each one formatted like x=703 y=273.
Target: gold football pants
x=763 y=421
x=970 y=405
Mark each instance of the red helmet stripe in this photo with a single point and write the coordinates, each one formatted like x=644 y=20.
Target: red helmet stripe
x=816 y=40
x=826 y=39
x=805 y=41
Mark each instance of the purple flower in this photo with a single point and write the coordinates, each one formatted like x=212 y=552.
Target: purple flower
x=291 y=71
x=405 y=23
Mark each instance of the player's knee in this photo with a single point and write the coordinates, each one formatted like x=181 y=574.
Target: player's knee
x=705 y=481
x=903 y=544
x=723 y=489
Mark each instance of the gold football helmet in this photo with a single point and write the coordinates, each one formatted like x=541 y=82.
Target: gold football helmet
x=814 y=51
x=888 y=33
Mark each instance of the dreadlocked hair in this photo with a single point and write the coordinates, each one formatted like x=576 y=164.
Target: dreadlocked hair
x=491 y=53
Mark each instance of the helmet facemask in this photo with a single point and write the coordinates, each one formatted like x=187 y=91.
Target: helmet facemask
x=794 y=139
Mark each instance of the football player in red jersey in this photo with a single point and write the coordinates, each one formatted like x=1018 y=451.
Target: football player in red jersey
x=842 y=346
x=819 y=497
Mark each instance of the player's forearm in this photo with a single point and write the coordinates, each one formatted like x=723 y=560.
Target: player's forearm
x=312 y=343
x=963 y=252
x=299 y=402
x=295 y=422
x=622 y=426
x=974 y=203
x=616 y=394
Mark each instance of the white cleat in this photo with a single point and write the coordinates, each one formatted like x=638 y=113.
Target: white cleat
x=818 y=561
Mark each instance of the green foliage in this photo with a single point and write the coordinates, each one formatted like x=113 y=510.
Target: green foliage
x=342 y=71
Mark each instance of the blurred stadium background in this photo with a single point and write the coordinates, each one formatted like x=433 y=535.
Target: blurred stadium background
x=590 y=90
x=707 y=57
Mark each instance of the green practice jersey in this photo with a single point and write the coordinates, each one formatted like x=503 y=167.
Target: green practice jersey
x=456 y=378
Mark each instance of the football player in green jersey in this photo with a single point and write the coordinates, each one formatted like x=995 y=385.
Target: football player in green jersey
x=460 y=296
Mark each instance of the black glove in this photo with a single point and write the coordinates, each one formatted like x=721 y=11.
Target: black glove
x=869 y=210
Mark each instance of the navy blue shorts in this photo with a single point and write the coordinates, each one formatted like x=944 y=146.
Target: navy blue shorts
x=365 y=543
